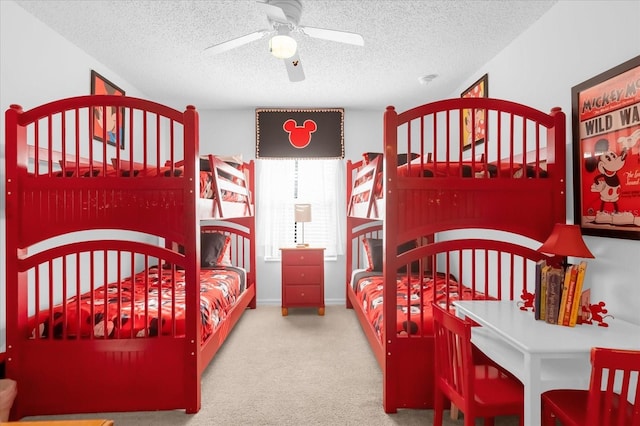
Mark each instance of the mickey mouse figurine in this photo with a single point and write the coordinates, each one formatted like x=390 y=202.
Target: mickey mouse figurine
x=527 y=301
x=596 y=312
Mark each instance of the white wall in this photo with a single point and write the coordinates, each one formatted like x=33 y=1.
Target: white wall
x=37 y=65
x=233 y=132
x=574 y=41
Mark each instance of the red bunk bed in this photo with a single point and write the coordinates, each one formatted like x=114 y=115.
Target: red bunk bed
x=121 y=284
x=449 y=224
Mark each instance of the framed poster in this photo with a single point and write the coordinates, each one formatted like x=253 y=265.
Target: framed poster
x=113 y=120
x=606 y=152
x=300 y=133
x=475 y=122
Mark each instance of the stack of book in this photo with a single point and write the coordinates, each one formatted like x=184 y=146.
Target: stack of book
x=559 y=294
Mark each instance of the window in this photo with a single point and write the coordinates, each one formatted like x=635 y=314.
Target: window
x=282 y=184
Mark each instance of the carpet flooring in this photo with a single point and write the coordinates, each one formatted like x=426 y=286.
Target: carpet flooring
x=302 y=369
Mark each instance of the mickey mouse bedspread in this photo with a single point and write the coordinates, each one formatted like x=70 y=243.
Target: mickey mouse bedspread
x=142 y=307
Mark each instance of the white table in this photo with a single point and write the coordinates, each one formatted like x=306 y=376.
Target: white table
x=543 y=356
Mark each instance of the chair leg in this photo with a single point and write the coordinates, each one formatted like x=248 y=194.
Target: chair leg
x=469 y=420
x=454 y=412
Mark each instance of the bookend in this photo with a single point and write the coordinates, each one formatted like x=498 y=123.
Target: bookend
x=595 y=313
x=527 y=301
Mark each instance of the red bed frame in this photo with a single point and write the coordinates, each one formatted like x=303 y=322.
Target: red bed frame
x=515 y=182
x=62 y=182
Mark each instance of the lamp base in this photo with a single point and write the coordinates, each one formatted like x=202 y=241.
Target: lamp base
x=302 y=245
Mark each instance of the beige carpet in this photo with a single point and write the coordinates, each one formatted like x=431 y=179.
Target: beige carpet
x=302 y=369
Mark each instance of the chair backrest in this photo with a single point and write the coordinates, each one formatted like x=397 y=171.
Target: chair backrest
x=453 y=359
x=620 y=370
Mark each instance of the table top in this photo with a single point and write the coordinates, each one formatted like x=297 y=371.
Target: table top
x=532 y=336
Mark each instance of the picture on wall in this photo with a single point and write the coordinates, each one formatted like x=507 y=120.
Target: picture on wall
x=606 y=152
x=109 y=125
x=475 y=122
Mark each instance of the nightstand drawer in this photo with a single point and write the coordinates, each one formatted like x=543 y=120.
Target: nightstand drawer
x=302 y=295
x=302 y=274
x=303 y=257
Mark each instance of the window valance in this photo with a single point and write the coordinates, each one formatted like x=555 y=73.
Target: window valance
x=300 y=133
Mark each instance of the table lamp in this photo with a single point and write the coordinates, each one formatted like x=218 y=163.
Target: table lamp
x=566 y=240
x=302 y=215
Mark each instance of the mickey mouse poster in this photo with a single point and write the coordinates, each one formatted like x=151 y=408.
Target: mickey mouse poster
x=606 y=136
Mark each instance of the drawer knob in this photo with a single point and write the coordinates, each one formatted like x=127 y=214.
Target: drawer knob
x=301 y=257
x=302 y=275
x=301 y=294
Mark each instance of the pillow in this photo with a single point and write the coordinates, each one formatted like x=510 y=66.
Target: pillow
x=233 y=160
x=168 y=265
x=205 y=166
x=373 y=250
x=213 y=247
x=415 y=266
x=401 y=158
x=370 y=156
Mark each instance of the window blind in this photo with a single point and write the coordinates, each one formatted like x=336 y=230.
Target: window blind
x=283 y=183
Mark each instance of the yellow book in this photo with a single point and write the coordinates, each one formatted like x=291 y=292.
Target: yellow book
x=543 y=292
x=576 y=303
x=565 y=294
x=570 y=295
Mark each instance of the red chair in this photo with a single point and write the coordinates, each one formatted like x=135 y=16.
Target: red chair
x=604 y=404
x=484 y=390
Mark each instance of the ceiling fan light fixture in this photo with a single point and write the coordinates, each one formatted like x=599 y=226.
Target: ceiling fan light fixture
x=282 y=46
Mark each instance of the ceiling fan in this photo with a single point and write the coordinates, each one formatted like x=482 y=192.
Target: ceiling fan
x=284 y=16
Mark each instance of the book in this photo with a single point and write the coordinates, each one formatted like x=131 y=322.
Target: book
x=565 y=292
x=577 y=301
x=567 y=307
x=538 y=288
x=555 y=281
x=543 y=292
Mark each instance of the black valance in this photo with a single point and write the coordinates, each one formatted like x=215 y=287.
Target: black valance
x=300 y=133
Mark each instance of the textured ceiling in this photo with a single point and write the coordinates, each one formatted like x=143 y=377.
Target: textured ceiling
x=157 y=46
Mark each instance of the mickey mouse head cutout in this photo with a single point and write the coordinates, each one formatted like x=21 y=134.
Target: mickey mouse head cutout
x=299 y=136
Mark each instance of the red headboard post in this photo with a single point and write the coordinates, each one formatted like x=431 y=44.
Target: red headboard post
x=16 y=158
x=192 y=270
x=557 y=161
x=390 y=237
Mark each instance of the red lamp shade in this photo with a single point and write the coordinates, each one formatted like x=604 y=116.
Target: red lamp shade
x=566 y=240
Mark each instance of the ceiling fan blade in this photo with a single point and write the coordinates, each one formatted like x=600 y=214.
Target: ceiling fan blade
x=294 y=68
x=274 y=13
x=236 y=42
x=334 y=35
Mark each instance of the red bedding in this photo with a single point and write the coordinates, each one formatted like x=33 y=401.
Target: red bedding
x=69 y=169
x=368 y=287
x=95 y=314
x=206 y=185
x=441 y=169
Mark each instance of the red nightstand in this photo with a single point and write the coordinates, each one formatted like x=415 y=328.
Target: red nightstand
x=302 y=278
